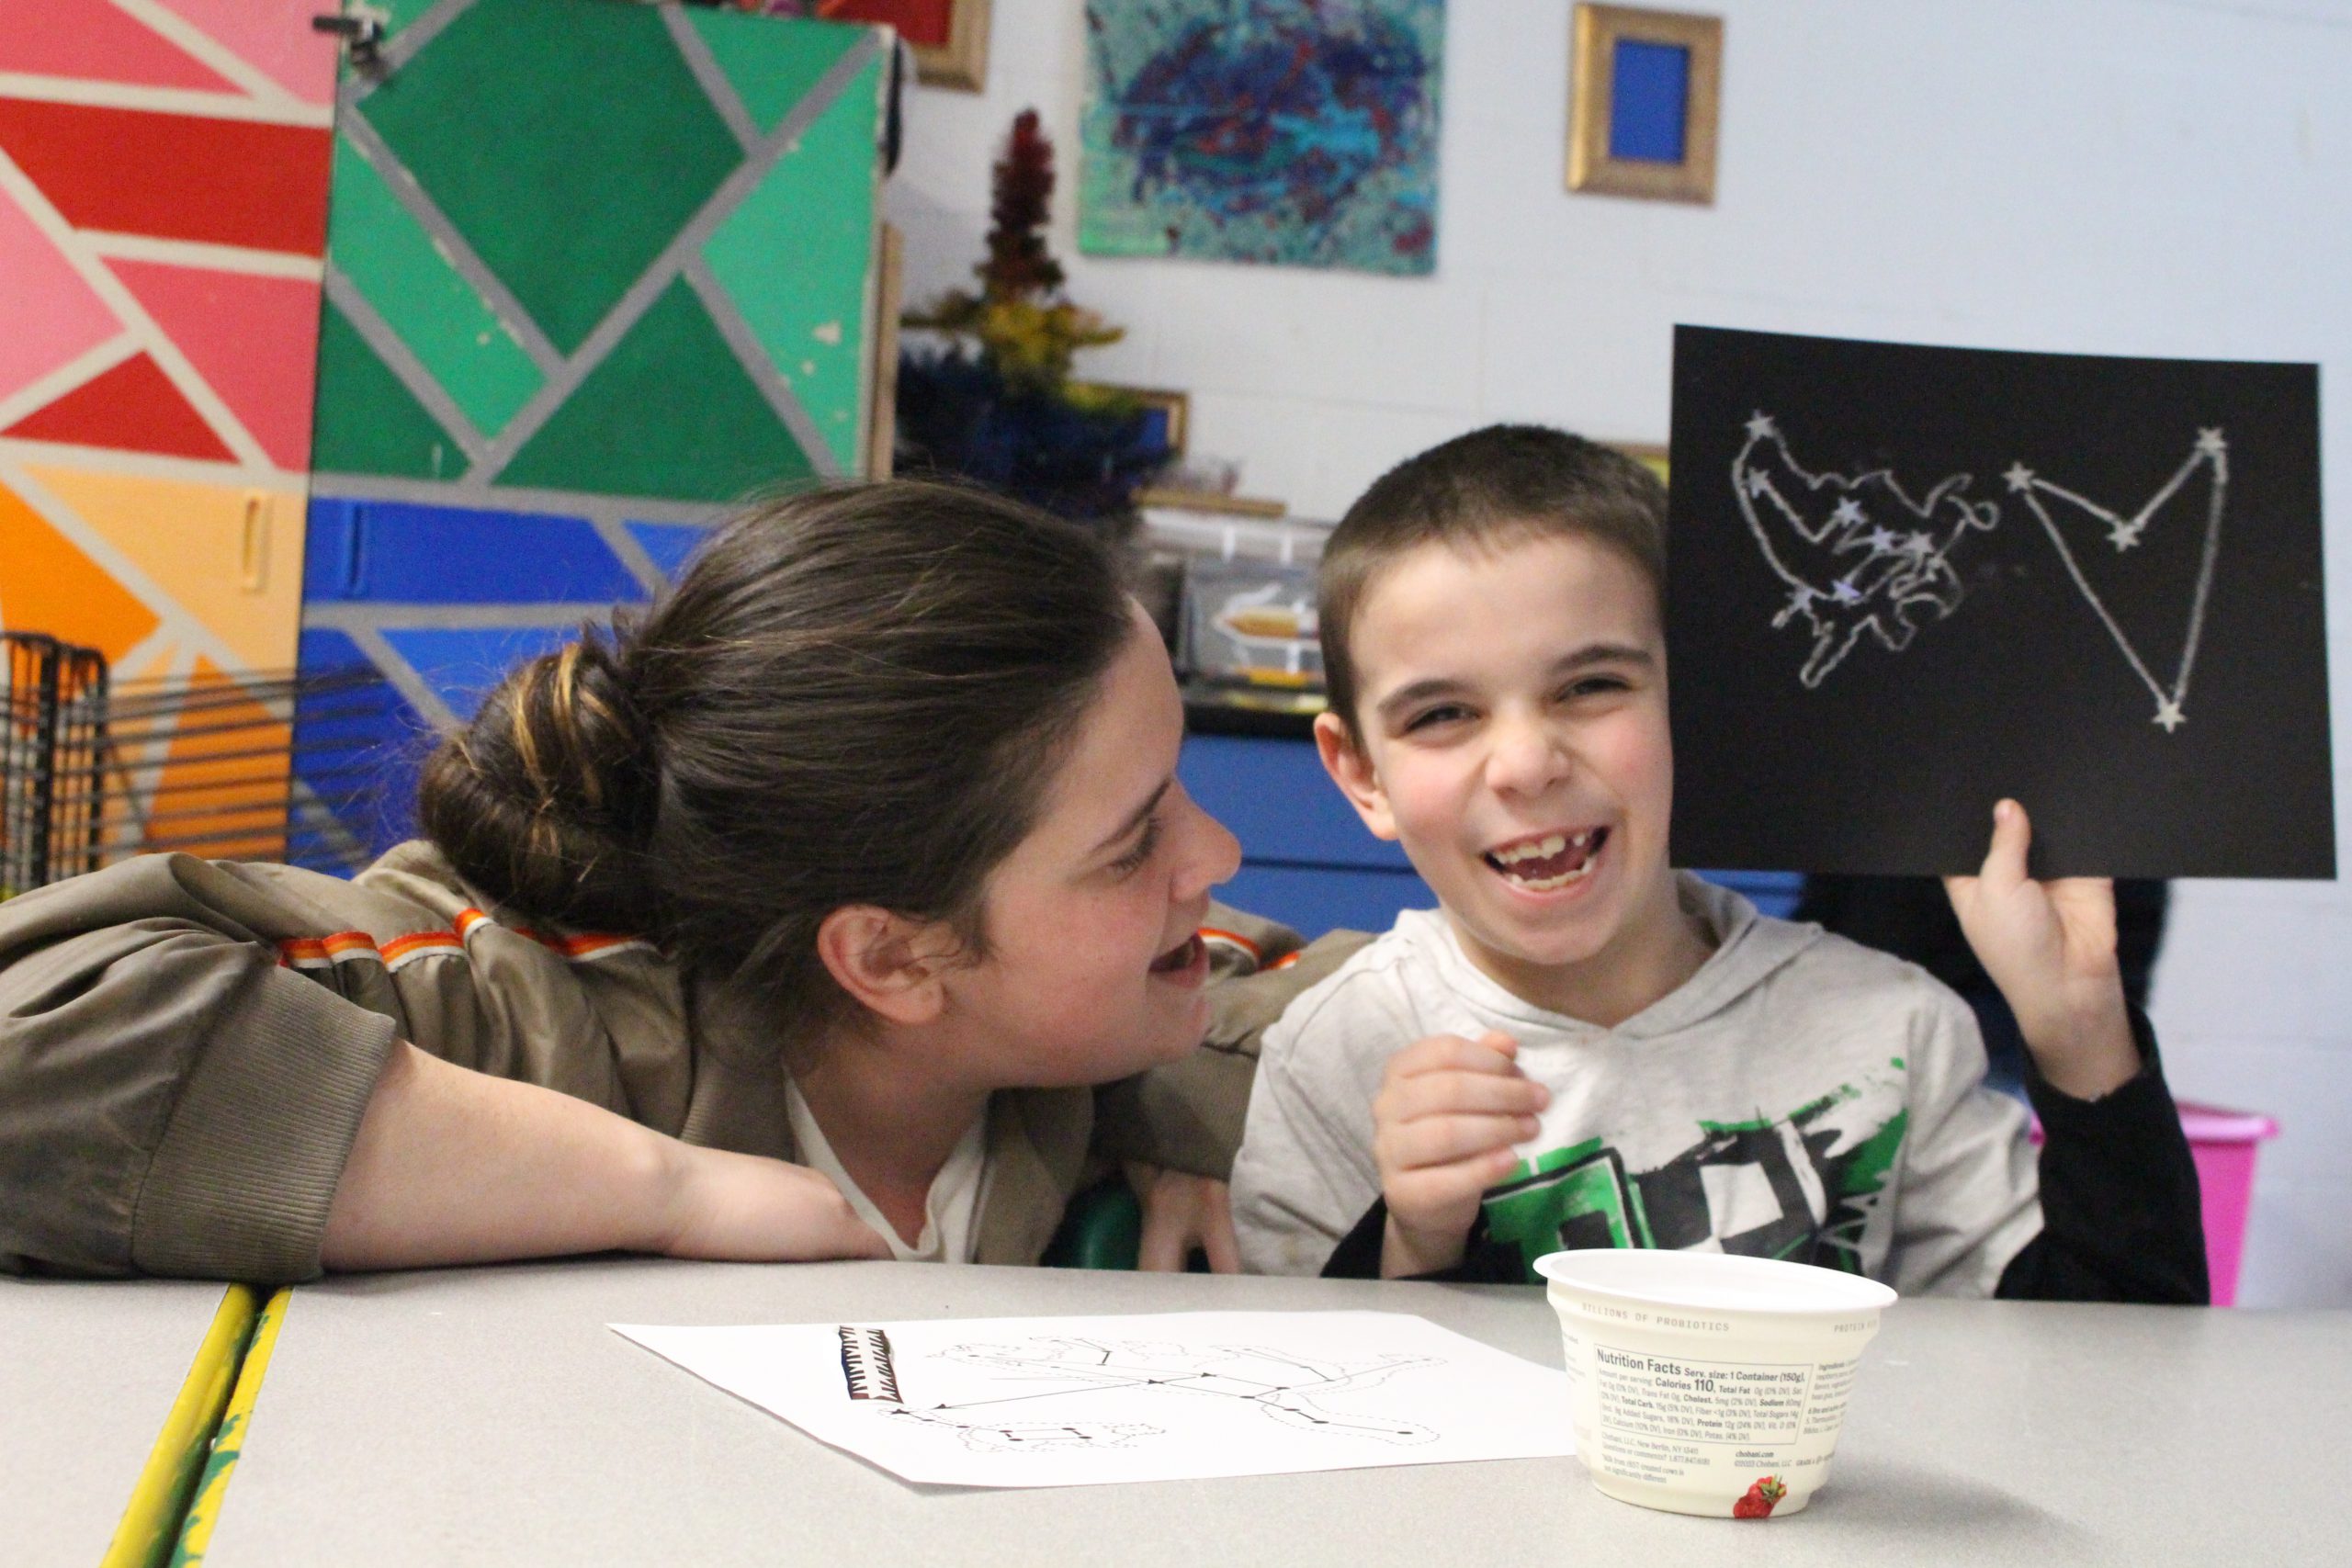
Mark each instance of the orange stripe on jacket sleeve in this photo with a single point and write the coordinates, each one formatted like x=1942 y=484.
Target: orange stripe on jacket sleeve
x=1211 y=934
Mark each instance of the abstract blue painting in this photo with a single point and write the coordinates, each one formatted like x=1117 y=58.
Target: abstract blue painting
x=1302 y=133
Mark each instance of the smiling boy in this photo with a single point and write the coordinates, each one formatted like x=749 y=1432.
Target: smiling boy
x=1582 y=1046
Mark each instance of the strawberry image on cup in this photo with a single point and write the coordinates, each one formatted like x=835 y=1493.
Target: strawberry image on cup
x=1762 y=1492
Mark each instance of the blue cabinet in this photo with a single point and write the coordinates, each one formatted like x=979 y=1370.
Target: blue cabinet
x=1306 y=859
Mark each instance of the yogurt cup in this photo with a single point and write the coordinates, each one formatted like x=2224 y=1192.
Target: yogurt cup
x=1706 y=1383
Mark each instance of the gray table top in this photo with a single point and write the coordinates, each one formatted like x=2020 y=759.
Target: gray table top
x=87 y=1375
x=487 y=1415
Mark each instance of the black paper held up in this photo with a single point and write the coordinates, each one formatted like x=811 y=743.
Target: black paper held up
x=1905 y=582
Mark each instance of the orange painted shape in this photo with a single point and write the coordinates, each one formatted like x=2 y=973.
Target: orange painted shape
x=212 y=798
x=49 y=585
x=197 y=543
x=176 y=177
x=132 y=407
x=255 y=339
x=93 y=38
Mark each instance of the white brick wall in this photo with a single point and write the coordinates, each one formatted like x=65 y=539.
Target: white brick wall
x=2133 y=177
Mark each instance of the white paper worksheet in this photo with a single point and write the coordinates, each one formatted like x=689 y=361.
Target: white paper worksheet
x=1075 y=1401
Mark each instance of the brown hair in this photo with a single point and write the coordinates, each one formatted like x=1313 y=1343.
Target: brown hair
x=1491 y=487
x=857 y=696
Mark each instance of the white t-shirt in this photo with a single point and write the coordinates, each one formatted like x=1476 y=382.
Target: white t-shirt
x=951 y=1213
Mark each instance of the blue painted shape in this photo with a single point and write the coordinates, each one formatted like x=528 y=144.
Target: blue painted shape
x=1649 y=100
x=330 y=550
x=403 y=552
x=1279 y=802
x=1774 y=893
x=1315 y=900
x=359 y=750
x=669 y=544
x=461 y=664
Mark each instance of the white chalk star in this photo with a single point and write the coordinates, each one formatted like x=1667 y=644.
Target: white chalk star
x=1761 y=426
x=1920 y=544
x=2020 y=477
x=1756 y=481
x=2124 y=535
x=2210 y=442
x=2169 y=713
x=1843 y=590
x=1882 y=543
x=1849 y=511
x=1800 y=602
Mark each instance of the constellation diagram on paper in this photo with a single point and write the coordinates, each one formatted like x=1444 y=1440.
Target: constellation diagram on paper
x=2211 y=453
x=1020 y=1407
x=1859 y=555
x=1828 y=537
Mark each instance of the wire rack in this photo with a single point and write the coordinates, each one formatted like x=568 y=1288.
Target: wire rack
x=255 y=766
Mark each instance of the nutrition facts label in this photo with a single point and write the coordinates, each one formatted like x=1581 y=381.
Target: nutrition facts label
x=1718 y=1402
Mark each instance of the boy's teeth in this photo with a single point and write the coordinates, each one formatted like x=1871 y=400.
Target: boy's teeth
x=1545 y=848
x=1541 y=859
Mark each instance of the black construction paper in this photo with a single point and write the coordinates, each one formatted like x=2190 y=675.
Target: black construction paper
x=1905 y=582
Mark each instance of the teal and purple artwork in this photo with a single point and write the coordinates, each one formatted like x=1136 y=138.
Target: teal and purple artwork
x=1301 y=132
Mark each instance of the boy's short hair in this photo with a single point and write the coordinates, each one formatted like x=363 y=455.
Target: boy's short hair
x=1495 y=485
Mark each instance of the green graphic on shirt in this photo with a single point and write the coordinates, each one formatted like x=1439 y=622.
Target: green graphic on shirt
x=1765 y=1188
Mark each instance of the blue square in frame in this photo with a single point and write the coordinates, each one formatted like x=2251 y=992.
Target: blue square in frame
x=1649 y=100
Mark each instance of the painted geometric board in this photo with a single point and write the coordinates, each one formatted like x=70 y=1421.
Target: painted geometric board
x=594 y=273
x=1907 y=581
x=164 y=170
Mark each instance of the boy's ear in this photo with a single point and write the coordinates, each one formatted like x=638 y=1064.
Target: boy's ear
x=1352 y=771
x=891 y=966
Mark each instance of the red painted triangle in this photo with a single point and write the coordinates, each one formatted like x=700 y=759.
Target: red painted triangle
x=133 y=408
x=255 y=341
x=90 y=37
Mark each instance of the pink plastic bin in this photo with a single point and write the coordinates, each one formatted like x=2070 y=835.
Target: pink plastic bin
x=2224 y=1144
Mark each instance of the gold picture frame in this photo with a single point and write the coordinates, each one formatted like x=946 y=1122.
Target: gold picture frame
x=963 y=61
x=1592 y=165
x=1174 y=407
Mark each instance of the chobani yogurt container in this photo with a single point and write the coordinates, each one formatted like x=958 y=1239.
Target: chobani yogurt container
x=1706 y=1383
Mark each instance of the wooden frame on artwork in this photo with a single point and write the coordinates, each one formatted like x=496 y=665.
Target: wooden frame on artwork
x=1174 y=408
x=959 y=59
x=1649 y=150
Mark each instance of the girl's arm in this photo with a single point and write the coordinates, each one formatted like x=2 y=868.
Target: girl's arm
x=452 y=1166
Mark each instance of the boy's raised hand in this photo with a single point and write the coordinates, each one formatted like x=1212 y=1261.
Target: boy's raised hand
x=2050 y=946
x=1448 y=1111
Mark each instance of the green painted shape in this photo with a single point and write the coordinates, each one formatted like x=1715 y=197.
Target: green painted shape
x=669 y=412
x=771 y=61
x=796 y=257
x=398 y=13
x=447 y=324
x=567 y=143
x=365 y=421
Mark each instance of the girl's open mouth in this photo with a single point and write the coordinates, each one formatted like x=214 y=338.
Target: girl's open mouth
x=1192 y=951
x=1544 y=862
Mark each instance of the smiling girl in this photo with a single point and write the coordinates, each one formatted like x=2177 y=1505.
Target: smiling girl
x=797 y=919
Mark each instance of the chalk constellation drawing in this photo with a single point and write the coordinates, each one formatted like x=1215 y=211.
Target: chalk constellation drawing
x=1281 y=1385
x=1849 y=573
x=2212 y=452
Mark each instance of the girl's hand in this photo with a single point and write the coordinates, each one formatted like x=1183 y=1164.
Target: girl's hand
x=1181 y=1213
x=1448 y=1111
x=2051 y=949
x=744 y=1209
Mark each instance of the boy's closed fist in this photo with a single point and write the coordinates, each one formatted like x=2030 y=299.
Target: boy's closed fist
x=1448 y=1111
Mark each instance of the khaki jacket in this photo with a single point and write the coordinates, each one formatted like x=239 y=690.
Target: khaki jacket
x=187 y=1047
